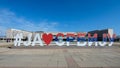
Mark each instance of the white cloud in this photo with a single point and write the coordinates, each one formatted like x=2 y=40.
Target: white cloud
x=9 y=19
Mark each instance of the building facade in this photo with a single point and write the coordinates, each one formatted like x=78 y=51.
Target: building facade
x=101 y=32
x=10 y=33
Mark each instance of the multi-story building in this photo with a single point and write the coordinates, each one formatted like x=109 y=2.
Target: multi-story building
x=101 y=32
x=10 y=33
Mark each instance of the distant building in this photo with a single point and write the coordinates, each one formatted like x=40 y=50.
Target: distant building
x=101 y=32
x=10 y=33
x=118 y=38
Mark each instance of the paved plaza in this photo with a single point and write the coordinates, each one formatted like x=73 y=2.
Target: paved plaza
x=60 y=57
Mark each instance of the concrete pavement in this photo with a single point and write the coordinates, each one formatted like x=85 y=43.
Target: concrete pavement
x=60 y=58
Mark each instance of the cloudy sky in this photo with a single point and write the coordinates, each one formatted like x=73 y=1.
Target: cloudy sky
x=60 y=15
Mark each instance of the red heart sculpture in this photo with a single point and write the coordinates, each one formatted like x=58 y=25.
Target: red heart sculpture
x=47 y=38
